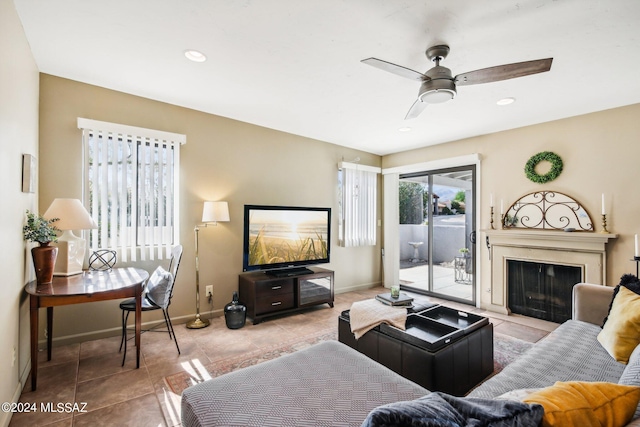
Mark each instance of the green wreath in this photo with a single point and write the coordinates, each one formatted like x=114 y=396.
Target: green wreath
x=556 y=167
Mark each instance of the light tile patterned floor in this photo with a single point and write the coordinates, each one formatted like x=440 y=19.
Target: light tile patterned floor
x=90 y=372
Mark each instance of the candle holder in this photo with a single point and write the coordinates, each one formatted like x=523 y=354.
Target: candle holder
x=491 y=221
x=604 y=224
x=636 y=259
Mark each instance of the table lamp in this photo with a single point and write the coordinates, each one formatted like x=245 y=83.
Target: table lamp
x=212 y=213
x=71 y=248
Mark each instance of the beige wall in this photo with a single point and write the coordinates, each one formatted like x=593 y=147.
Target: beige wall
x=222 y=160
x=18 y=135
x=601 y=154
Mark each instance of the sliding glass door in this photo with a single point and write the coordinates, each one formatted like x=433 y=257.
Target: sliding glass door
x=437 y=233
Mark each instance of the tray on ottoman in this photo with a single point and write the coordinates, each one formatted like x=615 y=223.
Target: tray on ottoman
x=423 y=332
x=467 y=322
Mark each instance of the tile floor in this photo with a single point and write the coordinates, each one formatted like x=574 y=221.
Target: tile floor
x=90 y=372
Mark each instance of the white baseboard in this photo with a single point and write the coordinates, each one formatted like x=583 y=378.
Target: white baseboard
x=106 y=333
x=5 y=417
x=24 y=375
x=176 y=320
x=360 y=287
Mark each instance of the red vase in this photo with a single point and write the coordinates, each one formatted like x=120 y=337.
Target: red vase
x=44 y=262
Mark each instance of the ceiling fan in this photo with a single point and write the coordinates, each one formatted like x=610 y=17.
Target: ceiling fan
x=438 y=85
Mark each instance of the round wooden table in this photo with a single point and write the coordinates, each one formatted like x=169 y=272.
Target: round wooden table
x=89 y=286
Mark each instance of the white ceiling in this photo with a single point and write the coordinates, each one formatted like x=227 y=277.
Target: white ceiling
x=294 y=65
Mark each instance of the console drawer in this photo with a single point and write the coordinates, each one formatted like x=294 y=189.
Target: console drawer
x=274 y=303
x=274 y=287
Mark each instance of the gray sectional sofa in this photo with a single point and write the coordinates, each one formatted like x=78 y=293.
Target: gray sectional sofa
x=331 y=384
x=570 y=353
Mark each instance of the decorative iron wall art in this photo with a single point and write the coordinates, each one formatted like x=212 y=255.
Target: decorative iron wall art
x=547 y=210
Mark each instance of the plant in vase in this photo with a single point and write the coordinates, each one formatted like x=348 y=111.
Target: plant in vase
x=42 y=231
x=465 y=263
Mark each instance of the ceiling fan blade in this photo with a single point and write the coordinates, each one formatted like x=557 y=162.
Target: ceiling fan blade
x=395 y=69
x=415 y=109
x=503 y=72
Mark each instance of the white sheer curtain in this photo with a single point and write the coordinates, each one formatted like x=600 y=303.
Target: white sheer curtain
x=358 y=208
x=131 y=188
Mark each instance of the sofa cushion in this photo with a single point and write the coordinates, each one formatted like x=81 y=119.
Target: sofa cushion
x=621 y=333
x=580 y=404
x=570 y=353
x=328 y=384
x=519 y=394
x=631 y=374
x=440 y=409
x=628 y=281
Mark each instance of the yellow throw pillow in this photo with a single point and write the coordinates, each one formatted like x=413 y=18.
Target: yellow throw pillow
x=621 y=334
x=583 y=404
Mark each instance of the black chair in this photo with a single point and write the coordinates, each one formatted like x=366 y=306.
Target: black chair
x=149 y=303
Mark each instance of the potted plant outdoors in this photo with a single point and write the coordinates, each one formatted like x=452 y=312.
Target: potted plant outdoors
x=42 y=231
x=464 y=252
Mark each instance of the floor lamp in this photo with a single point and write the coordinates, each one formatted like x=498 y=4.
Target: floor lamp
x=71 y=248
x=212 y=213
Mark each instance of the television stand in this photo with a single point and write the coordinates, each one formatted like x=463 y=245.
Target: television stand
x=266 y=295
x=288 y=272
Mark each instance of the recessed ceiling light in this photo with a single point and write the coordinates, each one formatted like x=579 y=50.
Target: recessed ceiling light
x=506 y=101
x=405 y=129
x=195 y=55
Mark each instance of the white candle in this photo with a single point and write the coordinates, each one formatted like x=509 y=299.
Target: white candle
x=501 y=207
x=491 y=199
x=603 y=204
x=637 y=254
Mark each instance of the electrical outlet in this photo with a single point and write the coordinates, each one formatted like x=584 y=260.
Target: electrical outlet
x=209 y=291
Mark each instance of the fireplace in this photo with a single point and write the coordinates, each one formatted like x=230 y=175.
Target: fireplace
x=541 y=290
x=584 y=253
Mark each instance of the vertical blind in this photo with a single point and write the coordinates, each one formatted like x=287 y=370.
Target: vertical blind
x=131 y=181
x=358 y=210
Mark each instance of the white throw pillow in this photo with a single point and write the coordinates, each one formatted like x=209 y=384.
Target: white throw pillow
x=158 y=289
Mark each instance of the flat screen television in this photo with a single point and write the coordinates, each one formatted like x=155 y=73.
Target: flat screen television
x=283 y=240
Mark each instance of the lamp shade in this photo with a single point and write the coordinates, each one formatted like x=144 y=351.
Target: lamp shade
x=215 y=212
x=71 y=249
x=72 y=215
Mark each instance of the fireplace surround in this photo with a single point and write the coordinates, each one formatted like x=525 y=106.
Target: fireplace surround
x=585 y=250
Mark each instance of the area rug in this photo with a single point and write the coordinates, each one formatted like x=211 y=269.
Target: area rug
x=506 y=349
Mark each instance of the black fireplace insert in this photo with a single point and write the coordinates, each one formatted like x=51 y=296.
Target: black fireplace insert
x=541 y=290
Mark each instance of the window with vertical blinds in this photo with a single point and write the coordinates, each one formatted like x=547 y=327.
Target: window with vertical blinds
x=358 y=188
x=131 y=178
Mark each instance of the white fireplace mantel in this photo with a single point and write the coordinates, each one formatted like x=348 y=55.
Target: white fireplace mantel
x=586 y=250
x=560 y=240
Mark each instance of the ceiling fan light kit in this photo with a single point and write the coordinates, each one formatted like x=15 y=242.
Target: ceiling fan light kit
x=437 y=91
x=438 y=85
